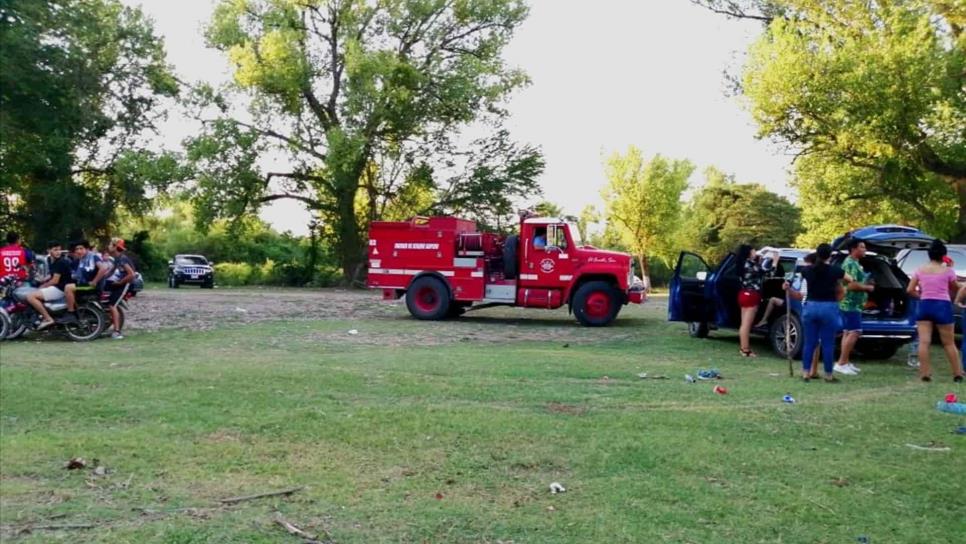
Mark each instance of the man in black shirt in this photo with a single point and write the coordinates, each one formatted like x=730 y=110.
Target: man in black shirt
x=51 y=290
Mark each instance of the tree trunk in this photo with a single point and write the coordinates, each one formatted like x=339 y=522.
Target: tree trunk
x=349 y=239
x=645 y=270
x=960 y=235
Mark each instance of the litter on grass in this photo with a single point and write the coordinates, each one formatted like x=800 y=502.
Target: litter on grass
x=557 y=488
x=928 y=448
x=951 y=407
x=353 y=332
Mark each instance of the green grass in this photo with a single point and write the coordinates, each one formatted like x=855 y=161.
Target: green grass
x=375 y=426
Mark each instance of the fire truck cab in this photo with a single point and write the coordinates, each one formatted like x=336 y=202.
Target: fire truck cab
x=444 y=266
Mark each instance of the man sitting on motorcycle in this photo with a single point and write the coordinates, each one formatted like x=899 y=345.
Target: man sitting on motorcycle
x=119 y=283
x=85 y=276
x=14 y=258
x=51 y=290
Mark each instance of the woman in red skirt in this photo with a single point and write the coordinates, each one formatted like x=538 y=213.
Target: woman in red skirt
x=752 y=270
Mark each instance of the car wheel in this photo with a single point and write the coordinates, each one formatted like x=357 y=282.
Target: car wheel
x=596 y=304
x=428 y=299
x=776 y=335
x=698 y=329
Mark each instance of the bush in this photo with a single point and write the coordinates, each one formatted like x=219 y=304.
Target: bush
x=272 y=273
x=233 y=274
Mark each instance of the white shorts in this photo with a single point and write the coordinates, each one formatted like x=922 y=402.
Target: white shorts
x=51 y=294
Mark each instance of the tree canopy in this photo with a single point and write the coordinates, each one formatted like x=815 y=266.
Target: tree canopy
x=83 y=84
x=369 y=104
x=872 y=98
x=643 y=202
x=723 y=214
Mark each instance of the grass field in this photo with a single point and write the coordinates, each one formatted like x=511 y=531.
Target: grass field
x=452 y=432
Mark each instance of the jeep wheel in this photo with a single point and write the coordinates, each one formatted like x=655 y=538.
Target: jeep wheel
x=596 y=304
x=698 y=329
x=173 y=282
x=428 y=299
x=776 y=335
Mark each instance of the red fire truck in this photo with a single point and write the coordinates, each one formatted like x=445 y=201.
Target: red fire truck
x=444 y=266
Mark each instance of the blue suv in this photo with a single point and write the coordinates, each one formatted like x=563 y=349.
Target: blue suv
x=707 y=298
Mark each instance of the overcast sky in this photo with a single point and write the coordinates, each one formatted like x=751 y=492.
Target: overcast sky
x=606 y=75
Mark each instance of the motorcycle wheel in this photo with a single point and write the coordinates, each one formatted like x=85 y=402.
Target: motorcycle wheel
x=90 y=323
x=20 y=323
x=5 y=327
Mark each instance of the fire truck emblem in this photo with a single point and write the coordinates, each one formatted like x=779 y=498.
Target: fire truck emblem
x=547 y=265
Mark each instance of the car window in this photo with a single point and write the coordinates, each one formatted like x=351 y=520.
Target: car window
x=191 y=260
x=691 y=266
x=914 y=260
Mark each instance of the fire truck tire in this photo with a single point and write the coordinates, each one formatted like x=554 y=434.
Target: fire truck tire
x=510 y=257
x=596 y=304
x=428 y=299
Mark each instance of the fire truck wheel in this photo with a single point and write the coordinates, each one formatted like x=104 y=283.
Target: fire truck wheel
x=510 y=247
x=428 y=299
x=596 y=304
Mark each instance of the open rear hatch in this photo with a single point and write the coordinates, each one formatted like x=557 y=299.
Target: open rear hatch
x=887 y=240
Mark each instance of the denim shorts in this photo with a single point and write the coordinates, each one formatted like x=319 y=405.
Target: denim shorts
x=852 y=321
x=940 y=312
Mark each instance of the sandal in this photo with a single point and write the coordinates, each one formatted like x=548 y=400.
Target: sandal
x=958 y=379
x=747 y=353
x=926 y=379
x=831 y=379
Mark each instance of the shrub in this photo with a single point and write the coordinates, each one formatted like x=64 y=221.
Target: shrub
x=233 y=274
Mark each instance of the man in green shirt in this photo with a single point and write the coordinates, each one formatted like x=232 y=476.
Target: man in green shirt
x=856 y=294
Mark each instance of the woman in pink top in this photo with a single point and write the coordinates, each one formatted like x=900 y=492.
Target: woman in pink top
x=933 y=283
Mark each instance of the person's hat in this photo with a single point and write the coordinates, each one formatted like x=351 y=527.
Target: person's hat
x=119 y=244
x=948 y=261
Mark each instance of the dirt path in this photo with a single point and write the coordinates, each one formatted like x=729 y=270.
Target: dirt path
x=199 y=309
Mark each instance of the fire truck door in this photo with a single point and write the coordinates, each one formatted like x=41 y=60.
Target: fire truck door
x=547 y=261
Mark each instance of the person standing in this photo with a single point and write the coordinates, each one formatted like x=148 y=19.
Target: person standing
x=752 y=273
x=961 y=302
x=820 y=315
x=932 y=283
x=856 y=295
x=119 y=283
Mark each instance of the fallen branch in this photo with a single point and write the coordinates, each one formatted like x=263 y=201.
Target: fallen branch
x=64 y=527
x=295 y=531
x=928 y=448
x=234 y=500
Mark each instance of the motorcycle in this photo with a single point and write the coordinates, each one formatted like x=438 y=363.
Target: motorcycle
x=17 y=317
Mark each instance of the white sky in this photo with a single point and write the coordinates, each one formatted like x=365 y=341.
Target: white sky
x=606 y=75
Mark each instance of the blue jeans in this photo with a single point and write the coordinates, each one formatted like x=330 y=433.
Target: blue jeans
x=821 y=322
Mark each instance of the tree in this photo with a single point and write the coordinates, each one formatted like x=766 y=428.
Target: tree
x=724 y=213
x=643 y=202
x=365 y=101
x=548 y=209
x=83 y=84
x=872 y=93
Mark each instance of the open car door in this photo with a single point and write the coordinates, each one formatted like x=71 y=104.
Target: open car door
x=687 y=300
